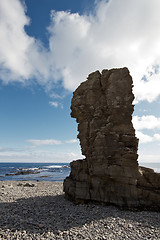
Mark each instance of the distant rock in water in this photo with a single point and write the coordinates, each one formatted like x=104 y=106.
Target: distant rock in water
x=109 y=174
x=22 y=172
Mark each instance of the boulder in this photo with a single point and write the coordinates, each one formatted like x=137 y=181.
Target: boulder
x=110 y=173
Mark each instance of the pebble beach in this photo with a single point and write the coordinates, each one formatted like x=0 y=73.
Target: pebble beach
x=38 y=210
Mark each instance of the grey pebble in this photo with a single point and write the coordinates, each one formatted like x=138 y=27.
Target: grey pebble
x=41 y=212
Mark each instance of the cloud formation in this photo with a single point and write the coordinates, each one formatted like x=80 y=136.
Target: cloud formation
x=21 y=57
x=37 y=142
x=23 y=155
x=39 y=151
x=144 y=138
x=146 y=122
x=53 y=104
x=72 y=141
x=117 y=34
x=45 y=142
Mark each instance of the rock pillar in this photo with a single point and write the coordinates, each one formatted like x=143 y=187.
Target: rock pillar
x=109 y=174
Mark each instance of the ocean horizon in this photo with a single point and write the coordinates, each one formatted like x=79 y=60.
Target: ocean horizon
x=19 y=171
x=22 y=171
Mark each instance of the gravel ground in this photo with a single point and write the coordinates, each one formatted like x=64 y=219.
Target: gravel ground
x=38 y=210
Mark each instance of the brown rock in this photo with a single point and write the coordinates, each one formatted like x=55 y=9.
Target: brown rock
x=109 y=174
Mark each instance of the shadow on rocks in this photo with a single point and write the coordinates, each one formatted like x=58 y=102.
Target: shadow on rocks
x=55 y=213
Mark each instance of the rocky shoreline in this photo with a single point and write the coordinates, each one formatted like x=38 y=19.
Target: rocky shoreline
x=38 y=210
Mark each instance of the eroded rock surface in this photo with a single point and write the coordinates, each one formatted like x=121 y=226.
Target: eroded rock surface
x=110 y=174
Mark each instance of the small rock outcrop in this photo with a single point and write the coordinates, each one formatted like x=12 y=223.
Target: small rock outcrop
x=109 y=174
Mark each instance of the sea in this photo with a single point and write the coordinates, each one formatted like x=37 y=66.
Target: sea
x=34 y=171
x=44 y=171
x=154 y=166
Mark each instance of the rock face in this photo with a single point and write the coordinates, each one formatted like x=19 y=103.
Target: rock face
x=109 y=174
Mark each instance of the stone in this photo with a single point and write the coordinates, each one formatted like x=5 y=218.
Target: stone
x=26 y=185
x=22 y=172
x=110 y=174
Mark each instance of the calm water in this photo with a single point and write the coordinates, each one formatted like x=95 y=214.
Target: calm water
x=44 y=171
x=34 y=171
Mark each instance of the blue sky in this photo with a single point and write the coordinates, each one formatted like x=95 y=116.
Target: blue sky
x=48 y=47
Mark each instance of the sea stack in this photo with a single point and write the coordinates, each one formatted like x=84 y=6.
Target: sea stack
x=109 y=174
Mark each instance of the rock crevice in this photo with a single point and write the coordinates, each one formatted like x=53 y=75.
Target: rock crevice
x=109 y=174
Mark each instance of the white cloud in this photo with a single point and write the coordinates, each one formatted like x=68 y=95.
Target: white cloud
x=157 y=137
x=53 y=104
x=35 y=154
x=21 y=57
x=149 y=158
x=45 y=142
x=143 y=138
x=72 y=141
x=117 y=34
x=37 y=142
x=57 y=96
x=146 y=122
x=56 y=104
x=22 y=155
x=14 y=41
